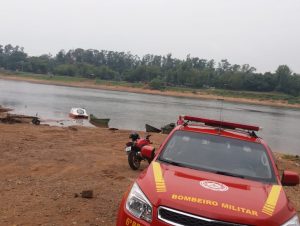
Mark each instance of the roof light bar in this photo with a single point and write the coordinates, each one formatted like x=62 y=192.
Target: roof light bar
x=216 y=123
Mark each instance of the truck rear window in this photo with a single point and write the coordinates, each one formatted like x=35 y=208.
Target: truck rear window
x=218 y=154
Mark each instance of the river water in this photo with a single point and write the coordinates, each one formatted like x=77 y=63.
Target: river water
x=131 y=110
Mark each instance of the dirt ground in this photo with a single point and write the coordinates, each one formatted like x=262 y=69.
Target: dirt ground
x=42 y=167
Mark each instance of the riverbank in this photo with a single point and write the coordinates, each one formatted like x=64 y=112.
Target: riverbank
x=42 y=167
x=229 y=96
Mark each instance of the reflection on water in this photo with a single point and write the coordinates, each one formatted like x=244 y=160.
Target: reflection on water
x=131 y=111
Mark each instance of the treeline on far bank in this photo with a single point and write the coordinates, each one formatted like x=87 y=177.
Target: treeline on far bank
x=157 y=71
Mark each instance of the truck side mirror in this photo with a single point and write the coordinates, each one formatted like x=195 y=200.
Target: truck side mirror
x=289 y=178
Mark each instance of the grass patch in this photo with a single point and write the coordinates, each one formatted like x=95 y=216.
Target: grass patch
x=291 y=157
x=59 y=78
x=181 y=89
x=270 y=96
x=45 y=77
x=119 y=83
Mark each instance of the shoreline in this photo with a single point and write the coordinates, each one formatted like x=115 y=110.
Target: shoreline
x=185 y=94
x=5 y=111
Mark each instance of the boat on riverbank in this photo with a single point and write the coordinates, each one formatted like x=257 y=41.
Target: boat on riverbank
x=152 y=129
x=78 y=113
x=14 y=118
x=168 y=128
x=99 y=122
x=156 y=109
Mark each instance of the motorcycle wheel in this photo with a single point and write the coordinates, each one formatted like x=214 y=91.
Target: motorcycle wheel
x=134 y=161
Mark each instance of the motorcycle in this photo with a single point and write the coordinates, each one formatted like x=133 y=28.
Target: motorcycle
x=139 y=149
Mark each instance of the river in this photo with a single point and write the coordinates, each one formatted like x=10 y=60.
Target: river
x=131 y=110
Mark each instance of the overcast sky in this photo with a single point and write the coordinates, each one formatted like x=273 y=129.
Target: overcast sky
x=262 y=33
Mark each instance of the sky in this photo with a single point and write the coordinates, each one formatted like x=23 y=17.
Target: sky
x=262 y=33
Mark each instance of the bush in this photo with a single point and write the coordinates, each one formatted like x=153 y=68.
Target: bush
x=157 y=84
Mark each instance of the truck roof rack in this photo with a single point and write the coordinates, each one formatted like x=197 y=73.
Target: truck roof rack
x=183 y=120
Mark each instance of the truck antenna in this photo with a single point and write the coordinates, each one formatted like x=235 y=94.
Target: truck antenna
x=221 y=113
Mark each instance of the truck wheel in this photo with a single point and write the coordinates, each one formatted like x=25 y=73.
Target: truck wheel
x=134 y=161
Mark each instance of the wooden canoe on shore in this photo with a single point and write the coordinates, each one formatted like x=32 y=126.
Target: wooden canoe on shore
x=168 y=128
x=99 y=122
x=165 y=129
x=13 y=118
x=152 y=129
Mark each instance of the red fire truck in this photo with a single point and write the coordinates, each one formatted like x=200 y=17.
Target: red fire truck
x=210 y=172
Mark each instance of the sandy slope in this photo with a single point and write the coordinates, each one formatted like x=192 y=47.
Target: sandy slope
x=41 y=168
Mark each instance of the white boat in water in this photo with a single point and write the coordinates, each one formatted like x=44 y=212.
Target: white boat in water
x=78 y=113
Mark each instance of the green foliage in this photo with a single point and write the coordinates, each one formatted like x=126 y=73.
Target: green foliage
x=283 y=73
x=157 y=84
x=12 y=58
x=142 y=73
x=65 y=69
x=157 y=71
x=104 y=72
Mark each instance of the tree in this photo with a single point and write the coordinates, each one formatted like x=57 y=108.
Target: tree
x=246 y=68
x=106 y=73
x=1 y=56
x=223 y=66
x=155 y=70
x=66 y=69
x=60 y=57
x=157 y=84
x=143 y=73
x=283 y=73
x=13 y=57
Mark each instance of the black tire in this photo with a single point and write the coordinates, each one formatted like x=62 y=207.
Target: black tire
x=35 y=121
x=134 y=161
